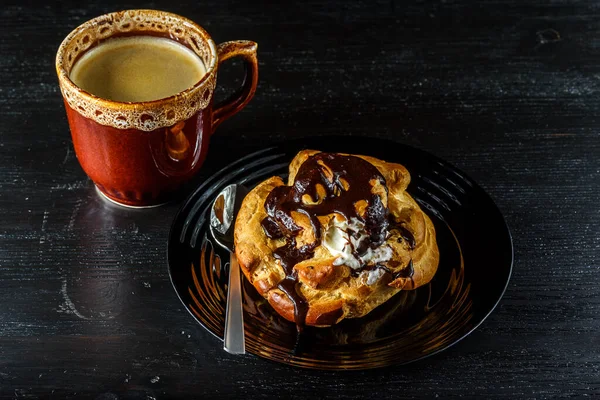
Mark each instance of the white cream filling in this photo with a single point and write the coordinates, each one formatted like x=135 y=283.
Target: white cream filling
x=374 y=275
x=336 y=240
x=340 y=244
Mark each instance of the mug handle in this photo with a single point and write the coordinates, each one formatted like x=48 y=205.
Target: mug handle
x=238 y=100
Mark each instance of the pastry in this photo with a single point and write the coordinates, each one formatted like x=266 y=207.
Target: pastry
x=341 y=238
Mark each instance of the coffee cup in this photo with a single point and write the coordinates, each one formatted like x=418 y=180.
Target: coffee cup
x=141 y=130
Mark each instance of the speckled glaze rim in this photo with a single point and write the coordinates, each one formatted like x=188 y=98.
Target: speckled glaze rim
x=149 y=115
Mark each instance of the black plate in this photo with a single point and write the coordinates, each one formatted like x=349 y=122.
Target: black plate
x=475 y=265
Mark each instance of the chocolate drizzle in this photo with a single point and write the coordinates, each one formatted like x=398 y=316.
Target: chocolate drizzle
x=325 y=183
x=271 y=228
x=406 y=235
x=406 y=272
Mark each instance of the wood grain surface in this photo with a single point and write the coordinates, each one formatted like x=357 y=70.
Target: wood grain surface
x=508 y=91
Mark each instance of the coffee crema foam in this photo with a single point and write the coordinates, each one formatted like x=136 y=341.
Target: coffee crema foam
x=137 y=69
x=143 y=116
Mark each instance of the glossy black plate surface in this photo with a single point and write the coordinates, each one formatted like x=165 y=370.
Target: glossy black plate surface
x=475 y=265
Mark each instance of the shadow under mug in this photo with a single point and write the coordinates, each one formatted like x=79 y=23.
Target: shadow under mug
x=138 y=154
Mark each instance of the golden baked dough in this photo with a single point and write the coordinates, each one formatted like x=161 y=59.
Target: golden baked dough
x=347 y=249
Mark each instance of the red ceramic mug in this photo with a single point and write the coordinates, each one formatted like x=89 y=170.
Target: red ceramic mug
x=138 y=154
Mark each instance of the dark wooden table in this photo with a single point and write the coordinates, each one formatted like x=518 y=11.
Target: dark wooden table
x=508 y=91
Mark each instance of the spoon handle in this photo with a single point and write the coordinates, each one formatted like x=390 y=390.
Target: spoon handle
x=234 y=341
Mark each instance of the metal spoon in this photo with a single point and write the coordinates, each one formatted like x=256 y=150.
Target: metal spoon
x=222 y=218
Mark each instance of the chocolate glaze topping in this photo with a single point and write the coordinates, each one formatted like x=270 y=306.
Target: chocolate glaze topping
x=326 y=183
